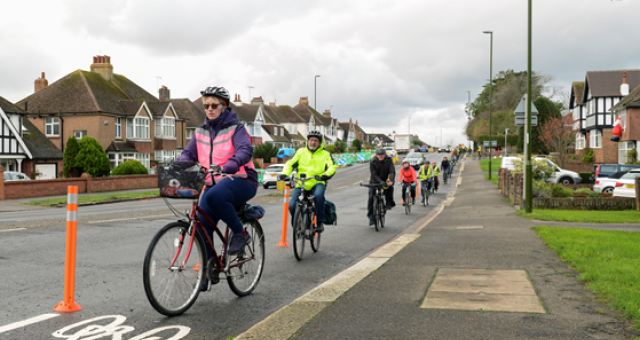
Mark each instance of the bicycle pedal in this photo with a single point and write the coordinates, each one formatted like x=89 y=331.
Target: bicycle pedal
x=215 y=277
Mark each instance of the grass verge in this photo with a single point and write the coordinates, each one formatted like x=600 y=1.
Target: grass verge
x=494 y=178
x=495 y=164
x=98 y=198
x=584 y=216
x=608 y=262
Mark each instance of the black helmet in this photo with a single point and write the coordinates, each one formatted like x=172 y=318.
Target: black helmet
x=381 y=151
x=219 y=92
x=314 y=133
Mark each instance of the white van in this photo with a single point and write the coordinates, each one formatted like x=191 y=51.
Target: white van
x=565 y=177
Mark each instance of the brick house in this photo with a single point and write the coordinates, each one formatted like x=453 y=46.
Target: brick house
x=24 y=148
x=602 y=90
x=127 y=121
x=628 y=110
x=347 y=132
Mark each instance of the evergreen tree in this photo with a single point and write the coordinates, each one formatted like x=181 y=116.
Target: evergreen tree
x=546 y=110
x=91 y=158
x=70 y=152
x=357 y=144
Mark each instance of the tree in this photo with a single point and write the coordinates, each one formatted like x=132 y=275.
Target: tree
x=546 y=110
x=130 y=167
x=91 y=158
x=556 y=134
x=69 y=168
x=265 y=151
x=357 y=144
x=341 y=146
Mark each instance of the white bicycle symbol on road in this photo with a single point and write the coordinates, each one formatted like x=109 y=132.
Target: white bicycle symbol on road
x=115 y=330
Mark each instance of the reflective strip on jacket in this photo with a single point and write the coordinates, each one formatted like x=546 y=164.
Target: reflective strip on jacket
x=218 y=151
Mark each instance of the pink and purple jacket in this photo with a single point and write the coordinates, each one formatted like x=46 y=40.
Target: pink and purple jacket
x=225 y=142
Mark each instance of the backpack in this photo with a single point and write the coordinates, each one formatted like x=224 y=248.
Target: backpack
x=330 y=216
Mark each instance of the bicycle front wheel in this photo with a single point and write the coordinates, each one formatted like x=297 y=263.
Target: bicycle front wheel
x=407 y=201
x=171 y=279
x=381 y=213
x=245 y=268
x=299 y=220
x=376 y=212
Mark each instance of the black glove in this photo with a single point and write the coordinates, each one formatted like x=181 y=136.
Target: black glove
x=325 y=178
x=282 y=177
x=383 y=183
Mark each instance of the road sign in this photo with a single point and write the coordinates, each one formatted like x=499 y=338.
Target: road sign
x=361 y=158
x=342 y=161
x=486 y=143
x=521 y=120
x=521 y=110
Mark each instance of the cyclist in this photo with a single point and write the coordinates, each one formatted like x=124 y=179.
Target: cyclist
x=479 y=151
x=435 y=170
x=222 y=140
x=383 y=172
x=312 y=160
x=445 y=166
x=408 y=177
x=426 y=175
x=454 y=155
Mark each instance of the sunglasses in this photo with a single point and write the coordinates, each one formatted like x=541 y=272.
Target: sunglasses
x=213 y=106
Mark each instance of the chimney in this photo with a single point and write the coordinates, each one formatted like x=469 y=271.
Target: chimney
x=356 y=122
x=165 y=94
x=624 y=88
x=327 y=113
x=257 y=101
x=237 y=101
x=304 y=100
x=350 y=121
x=40 y=83
x=102 y=64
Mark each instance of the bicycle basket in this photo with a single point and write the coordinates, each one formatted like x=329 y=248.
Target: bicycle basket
x=181 y=180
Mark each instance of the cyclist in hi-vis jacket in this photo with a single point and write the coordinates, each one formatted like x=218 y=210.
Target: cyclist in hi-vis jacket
x=312 y=160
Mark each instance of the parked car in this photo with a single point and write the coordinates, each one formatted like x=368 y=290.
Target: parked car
x=626 y=185
x=415 y=159
x=607 y=184
x=282 y=153
x=606 y=170
x=15 y=176
x=391 y=152
x=565 y=177
x=270 y=176
x=424 y=149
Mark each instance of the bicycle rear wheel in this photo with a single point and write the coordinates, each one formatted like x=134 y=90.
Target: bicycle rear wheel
x=381 y=213
x=299 y=220
x=314 y=239
x=244 y=278
x=173 y=288
x=407 y=200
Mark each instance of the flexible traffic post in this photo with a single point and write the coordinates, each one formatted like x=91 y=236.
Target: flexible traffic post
x=285 y=215
x=68 y=304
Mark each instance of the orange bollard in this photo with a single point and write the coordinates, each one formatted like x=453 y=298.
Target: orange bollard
x=68 y=304
x=285 y=215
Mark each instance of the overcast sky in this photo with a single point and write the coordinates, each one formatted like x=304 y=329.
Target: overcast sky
x=380 y=62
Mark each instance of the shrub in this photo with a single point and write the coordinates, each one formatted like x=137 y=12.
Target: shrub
x=357 y=144
x=69 y=167
x=541 y=189
x=330 y=148
x=588 y=156
x=593 y=195
x=587 y=190
x=632 y=156
x=130 y=167
x=352 y=149
x=91 y=158
x=341 y=146
x=585 y=177
x=557 y=190
x=265 y=151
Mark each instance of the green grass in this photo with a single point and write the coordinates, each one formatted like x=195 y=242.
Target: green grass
x=585 y=216
x=495 y=164
x=608 y=262
x=494 y=178
x=98 y=198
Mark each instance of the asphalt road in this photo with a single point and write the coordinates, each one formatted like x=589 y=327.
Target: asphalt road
x=112 y=240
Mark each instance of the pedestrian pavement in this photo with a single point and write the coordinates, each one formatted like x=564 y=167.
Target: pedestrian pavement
x=474 y=260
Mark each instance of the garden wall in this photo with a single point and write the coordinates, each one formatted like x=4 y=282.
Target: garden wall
x=85 y=184
x=585 y=203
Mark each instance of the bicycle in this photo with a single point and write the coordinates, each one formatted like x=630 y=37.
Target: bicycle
x=424 y=190
x=406 y=187
x=379 y=207
x=304 y=221
x=175 y=264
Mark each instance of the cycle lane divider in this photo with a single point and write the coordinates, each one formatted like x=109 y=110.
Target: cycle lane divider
x=285 y=322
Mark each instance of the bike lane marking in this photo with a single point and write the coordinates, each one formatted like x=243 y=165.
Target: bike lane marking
x=27 y=322
x=14 y=229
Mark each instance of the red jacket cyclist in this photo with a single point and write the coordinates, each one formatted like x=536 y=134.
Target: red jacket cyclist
x=408 y=177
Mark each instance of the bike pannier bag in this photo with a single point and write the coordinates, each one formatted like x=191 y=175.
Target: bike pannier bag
x=330 y=216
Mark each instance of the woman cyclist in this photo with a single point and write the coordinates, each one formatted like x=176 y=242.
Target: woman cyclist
x=408 y=177
x=223 y=141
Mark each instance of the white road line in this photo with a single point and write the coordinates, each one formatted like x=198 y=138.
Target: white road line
x=27 y=322
x=15 y=229
x=131 y=218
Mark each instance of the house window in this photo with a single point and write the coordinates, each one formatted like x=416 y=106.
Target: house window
x=166 y=127
x=52 y=126
x=189 y=134
x=144 y=159
x=79 y=134
x=596 y=139
x=623 y=148
x=165 y=156
x=580 y=140
x=118 y=127
x=622 y=114
x=138 y=128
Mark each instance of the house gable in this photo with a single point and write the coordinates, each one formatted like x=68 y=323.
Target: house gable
x=11 y=142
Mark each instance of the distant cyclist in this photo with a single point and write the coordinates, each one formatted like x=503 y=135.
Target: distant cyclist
x=312 y=160
x=383 y=172
x=435 y=170
x=454 y=155
x=445 y=166
x=426 y=175
x=408 y=177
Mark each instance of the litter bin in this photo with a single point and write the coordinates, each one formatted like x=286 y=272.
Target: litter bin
x=260 y=175
x=280 y=185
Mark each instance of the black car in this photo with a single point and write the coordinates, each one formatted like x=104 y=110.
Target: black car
x=606 y=170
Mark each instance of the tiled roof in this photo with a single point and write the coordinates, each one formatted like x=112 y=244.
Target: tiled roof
x=246 y=112
x=120 y=146
x=278 y=138
x=272 y=116
x=305 y=111
x=130 y=107
x=192 y=113
x=158 y=108
x=38 y=144
x=9 y=106
x=132 y=89
x=607 y=83
x=289 y=115
x=633 y=99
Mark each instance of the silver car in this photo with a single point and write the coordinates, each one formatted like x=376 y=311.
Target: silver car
x=414 y=159
x=15 y=176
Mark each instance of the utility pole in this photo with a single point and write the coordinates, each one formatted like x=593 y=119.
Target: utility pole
x=315 y=92
x=527 y=159
x=490 y=94
x=505 y=141
x=468 y=104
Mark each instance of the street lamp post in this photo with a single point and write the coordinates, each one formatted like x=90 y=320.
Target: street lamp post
x=315 y=91
x=468 y=104
x=505 y=141
x=490 y=93
x=527 y=160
